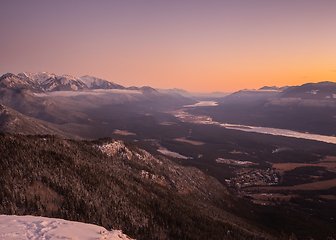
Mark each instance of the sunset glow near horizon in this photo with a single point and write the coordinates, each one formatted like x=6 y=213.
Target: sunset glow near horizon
x=199 y=46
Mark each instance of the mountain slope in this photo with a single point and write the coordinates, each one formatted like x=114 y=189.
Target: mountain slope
x=321 y=95
x=249 y=96
x=37 y=107
x=15 y=122
x=115 y=185
x=318 y=91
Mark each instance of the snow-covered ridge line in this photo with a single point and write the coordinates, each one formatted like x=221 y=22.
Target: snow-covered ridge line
x=31 y=227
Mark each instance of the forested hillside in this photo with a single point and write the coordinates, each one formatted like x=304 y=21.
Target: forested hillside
x=115 y=185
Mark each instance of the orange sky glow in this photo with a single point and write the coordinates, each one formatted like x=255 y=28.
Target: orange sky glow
x=199 y=46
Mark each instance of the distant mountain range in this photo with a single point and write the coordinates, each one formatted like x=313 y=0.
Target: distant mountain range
x=310 y=107
x=272 y=88
x=43 y=81
x=49 y=82
x=324 y=91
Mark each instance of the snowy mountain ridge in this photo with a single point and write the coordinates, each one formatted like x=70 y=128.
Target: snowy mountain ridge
x=49 y=82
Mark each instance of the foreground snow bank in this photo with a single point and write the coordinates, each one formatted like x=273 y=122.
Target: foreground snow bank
x=30 y=227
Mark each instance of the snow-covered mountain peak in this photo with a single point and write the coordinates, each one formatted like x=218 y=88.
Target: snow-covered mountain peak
x=38 y=77
x=66 y=79
x=89 y=80
x=98 y=83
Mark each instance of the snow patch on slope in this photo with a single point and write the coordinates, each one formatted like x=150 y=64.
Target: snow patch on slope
x=313 y=92
x=117 y=147
x=111 y=149
x=31 y=227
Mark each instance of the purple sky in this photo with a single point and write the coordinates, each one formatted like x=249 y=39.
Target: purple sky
x=196 y=45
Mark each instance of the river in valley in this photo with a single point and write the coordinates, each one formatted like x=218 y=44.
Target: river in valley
x=200 y=119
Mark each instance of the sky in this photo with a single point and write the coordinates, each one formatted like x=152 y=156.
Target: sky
x=199 y=46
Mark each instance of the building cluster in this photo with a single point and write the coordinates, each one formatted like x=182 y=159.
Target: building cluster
x=253 y=177
x=187 y=117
